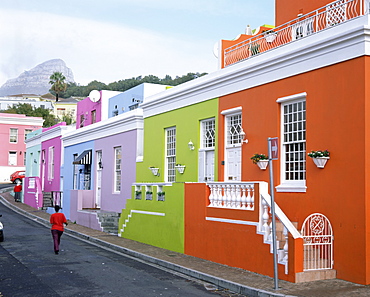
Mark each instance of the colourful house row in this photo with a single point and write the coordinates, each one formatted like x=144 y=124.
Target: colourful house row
x=178 y=169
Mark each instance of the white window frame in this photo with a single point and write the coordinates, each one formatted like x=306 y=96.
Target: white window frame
x=170 y=153
x=14 y=157
x=206 y=130
x=51 y=163
x=207 y=127
x=13 y=135
x=26 y=132
x=286 y=185
x=117 y=169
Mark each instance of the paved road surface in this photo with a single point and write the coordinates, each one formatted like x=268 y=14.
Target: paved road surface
x=29 y=267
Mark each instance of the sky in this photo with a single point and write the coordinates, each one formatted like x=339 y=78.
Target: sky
x=112 y=40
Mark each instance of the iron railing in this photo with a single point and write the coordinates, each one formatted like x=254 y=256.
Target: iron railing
x=330 y=15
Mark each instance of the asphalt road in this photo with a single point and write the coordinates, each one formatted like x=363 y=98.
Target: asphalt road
x=29 y=267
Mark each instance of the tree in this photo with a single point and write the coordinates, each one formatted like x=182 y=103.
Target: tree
x=28 y=110
x=57 y=80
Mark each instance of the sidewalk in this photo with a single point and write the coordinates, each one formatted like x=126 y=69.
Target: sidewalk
x=236 y=280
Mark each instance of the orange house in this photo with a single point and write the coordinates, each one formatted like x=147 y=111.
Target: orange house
x=308 y=87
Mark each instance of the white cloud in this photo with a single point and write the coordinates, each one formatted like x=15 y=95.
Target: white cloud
x=94 y=50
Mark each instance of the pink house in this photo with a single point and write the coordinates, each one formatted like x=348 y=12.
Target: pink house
x=13 y=131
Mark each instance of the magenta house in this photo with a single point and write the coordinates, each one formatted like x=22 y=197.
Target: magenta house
x=94 y=108
x=49 y=181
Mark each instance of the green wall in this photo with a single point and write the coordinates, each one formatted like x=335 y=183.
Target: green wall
x=167 y=231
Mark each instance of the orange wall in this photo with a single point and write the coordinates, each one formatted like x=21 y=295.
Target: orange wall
x=287 y=10
x=230 y=244
x=336 y=113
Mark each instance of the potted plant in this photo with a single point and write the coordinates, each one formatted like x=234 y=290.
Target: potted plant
x=154 y=170
x=270 y=35
x=320 y=157
x=160 y=196
x=149 y=195
x=137 y=194
x=261 y=160
x=180 y=168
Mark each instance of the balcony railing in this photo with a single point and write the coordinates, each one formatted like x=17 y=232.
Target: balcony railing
x=325 y=17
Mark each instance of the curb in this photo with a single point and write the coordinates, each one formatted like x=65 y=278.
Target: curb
x=222 y=283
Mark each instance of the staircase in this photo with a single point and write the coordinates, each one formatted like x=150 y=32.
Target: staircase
x=47 y=200
x=109 y=221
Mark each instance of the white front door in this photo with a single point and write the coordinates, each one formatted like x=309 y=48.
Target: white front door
x=233 y=164
x=98 y=188
x=99 y=171
x=206 y=166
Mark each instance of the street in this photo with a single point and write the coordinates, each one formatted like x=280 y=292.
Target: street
x=29 y=267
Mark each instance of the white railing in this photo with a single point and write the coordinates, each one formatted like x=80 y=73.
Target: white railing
x=231 y=195
x=244 y=196
x=325 y=17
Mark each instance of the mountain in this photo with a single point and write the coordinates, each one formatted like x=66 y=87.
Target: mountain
x=36 y=80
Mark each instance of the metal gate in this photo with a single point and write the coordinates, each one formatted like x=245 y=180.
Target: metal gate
x=318 y=239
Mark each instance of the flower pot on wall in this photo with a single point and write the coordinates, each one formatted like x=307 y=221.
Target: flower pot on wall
x=262 y=164
x=154 y=170
x=320 y=161
x=180 y=168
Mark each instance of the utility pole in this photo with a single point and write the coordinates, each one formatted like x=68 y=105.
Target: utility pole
x=273 y=155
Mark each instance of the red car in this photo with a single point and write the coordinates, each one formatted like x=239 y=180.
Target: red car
x=17 y=176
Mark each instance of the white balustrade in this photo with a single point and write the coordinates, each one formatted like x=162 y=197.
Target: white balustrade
x=323 y=18
x=231 y=195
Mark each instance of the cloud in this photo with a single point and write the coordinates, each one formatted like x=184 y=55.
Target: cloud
x=94 y=50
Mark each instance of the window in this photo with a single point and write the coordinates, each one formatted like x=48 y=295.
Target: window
x=208 y=133
x=206 y=153
x=93 y=116
x=293 y=171
x=82 y=120
x=13 y=135
x=26 y=132
x=12 y=160
x=61 y=111
x=117 y=168
x=234 y=128
x=171 y=154
x=51 y=164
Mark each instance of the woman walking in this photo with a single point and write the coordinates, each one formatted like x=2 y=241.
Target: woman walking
x=57 y=220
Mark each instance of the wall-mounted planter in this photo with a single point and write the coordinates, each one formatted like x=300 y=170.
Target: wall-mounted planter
x=262 y=164
x=320 y=162
x=154 y=170
x=180 y=168
x=161 y=196
x=270 y=37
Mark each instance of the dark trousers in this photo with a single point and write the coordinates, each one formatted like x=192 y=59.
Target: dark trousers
x=17 y=196
x=56 y=239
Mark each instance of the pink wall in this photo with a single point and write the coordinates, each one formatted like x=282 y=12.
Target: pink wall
x=51 y=184
x=20 y=146
x=32 y=191
x=85 y=107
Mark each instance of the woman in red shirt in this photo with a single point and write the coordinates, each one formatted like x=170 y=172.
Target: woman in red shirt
x=17 y=192
x=58 y=220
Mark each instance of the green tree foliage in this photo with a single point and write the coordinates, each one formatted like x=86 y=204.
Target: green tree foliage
x=57 y=80
x=74 y=90
x=28 y=110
